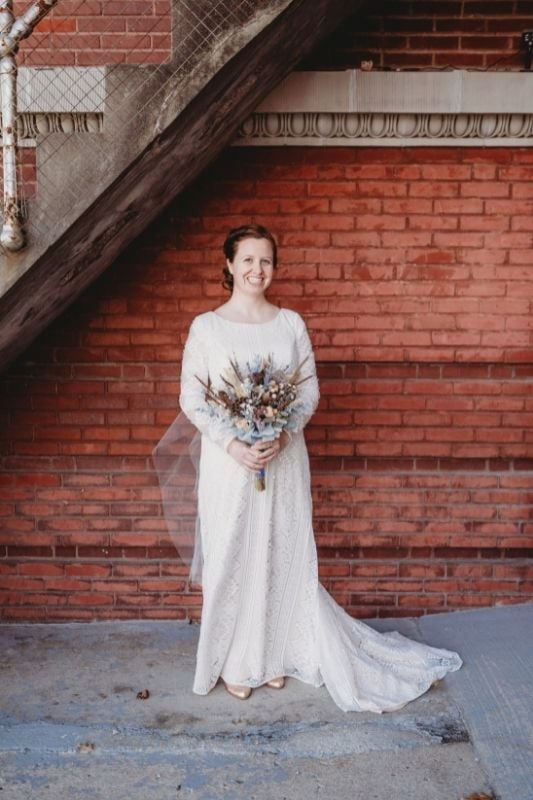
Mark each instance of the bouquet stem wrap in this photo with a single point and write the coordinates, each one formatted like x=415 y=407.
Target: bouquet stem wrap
x=259 y=480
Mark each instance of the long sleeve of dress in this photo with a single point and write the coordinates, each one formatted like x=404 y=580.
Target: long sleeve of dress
x=192 y=394
x=308 y=391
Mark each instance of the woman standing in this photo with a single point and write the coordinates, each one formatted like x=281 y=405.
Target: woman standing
x=265 y=616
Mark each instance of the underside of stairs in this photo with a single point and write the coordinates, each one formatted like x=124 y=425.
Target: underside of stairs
x=97 y=190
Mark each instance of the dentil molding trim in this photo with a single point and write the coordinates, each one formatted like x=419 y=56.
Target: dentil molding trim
x=356 y=108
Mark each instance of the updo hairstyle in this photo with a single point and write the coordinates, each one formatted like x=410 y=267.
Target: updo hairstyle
x=235 y=236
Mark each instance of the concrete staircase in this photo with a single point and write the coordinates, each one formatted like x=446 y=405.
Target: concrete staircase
x=160 y=127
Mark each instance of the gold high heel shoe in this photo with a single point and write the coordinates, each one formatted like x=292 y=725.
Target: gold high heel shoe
x=276 y=683
x=240 y=692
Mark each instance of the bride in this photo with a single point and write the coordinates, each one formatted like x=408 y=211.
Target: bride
x=265 y=616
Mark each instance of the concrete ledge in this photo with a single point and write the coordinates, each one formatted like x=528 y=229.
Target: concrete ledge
x=61 y=89
x=454 y=92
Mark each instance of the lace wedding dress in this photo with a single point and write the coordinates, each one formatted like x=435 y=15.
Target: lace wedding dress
x=264 y=612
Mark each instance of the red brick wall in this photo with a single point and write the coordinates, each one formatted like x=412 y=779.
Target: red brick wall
x=394 y=34
x=26 y=171
x=424 y=34
x=99 y=32
x=412 y=268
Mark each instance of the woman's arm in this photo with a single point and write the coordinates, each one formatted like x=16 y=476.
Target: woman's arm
x=308 y=391
x=192 y=395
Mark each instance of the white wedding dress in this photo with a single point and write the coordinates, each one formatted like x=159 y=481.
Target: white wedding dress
x=264 y=612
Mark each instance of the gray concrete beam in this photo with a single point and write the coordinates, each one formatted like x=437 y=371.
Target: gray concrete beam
x=175 y=143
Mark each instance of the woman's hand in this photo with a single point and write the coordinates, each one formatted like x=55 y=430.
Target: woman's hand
x=244 y=455
x=255 y=457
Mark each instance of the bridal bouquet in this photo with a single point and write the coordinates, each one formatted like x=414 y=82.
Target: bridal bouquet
x=257 y=403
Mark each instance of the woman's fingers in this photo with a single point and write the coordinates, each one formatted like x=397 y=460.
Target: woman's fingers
x=243 y=455
x=254 y=457
x=270 y=452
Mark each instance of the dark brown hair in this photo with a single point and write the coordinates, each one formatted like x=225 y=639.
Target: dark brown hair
x=235 y=236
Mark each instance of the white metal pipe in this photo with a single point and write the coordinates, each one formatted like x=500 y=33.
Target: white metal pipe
x=12 y=235
x=6 y=19
x=6 y=15
x=24 y=25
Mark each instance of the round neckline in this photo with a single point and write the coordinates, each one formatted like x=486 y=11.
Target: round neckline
x=249 y=324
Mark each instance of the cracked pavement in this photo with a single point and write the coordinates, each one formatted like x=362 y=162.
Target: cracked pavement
x=71 y=724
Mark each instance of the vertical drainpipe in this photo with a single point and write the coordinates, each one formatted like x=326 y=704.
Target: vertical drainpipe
x=12 y=235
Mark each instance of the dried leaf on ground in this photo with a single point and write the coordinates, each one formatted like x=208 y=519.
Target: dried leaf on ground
x=85 y=747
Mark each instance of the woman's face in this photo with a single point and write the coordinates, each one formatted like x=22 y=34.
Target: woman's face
x=252 y=267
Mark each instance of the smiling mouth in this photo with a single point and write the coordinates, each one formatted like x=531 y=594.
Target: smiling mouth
x=255 y=280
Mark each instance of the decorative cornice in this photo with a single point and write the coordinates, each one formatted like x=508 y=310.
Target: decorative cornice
x=33 y=125
x=355 y=108
x=312 y=128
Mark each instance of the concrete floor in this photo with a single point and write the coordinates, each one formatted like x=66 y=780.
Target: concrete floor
x=72 y=727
